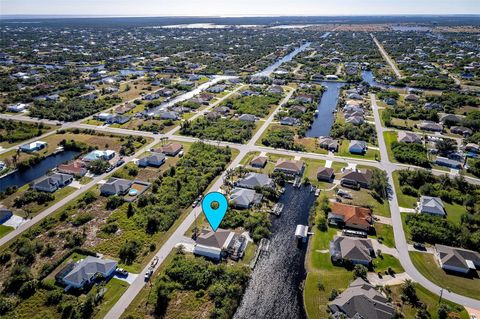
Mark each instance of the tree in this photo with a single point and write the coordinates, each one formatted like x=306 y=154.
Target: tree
x=446 y=145
x=443 y=311
x=333 y=294
x=379 y=182
x=129 y=251
x=98 y=166
x=130 y=210
x=360 y=271
x=409 y=293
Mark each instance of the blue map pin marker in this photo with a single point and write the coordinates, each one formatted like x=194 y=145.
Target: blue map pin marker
x=214 y=216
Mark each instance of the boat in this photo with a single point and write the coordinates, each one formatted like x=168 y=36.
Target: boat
x=316 y=113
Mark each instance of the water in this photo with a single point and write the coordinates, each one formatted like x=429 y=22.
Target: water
x=126 y=72
x=324 y=121
x=20 y=178
x=368 y=77
x=267 y=71
x=274 y=289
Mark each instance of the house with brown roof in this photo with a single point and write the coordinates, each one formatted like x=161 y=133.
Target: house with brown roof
x=289 y=167
x=212 y=244
x=328 y=143
x=356 y=179
x=171 y=149
x=259 y=162
x=408 y=137
x=457 y=259
x=325 y=174
x=351 y=216
x=76 y=168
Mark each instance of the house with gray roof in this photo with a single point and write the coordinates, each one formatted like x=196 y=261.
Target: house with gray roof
x=408 y=137
x=247 y=118
x=457 y=259
x=244 y=198
x=431 y=205
x=356 y=250
x=255 y=180
x=115 y=186
x=448 y=162
x=155 y=160
x=83 y=272
x=361 y=300
x=52 y=182
x=357 y=147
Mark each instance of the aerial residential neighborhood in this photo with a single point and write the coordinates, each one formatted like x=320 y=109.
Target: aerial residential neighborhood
x=346 y=148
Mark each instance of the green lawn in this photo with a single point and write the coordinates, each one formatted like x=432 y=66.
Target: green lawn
x=390 y=137
x=425 y=263
x=362 y=197
x=429 y=299
x=454 y=212
x=385 y=233
x=403 y=200
x=381 y=264
x=114 y=290
x=5 y=230
x=369 y=155
x=249 y=157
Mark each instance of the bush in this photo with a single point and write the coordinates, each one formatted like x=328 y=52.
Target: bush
x=129 y=251
x=409 y=190
x=114 y=202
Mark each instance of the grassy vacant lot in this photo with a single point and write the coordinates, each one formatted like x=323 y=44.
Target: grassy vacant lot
x=385 y=232
x=114 y=290
x=403 y=200
x=369 y=155
x=5 y=230
x=390 y=137
x=15 y=132
x=429 y=299
x=321 y=269
x=381 y=264
x=363 y=198
x=426 y=264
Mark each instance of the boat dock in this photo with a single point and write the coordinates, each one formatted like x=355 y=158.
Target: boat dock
x=262 y=249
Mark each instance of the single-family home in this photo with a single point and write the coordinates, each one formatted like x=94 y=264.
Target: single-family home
x=472 y=147
x=457 y=259
x=217 y=88
x=19 y=107
x=408 y=137
x=244 y=198
x=155 y=160
x=167 y=115
x=390 y=101
x=361 y=300
x=33 y=147
x=52 y=182
x=75 y=168
x=357 y=147
x=461 y=130
x=214 y=244
x=355 y=250
x=357 y=178
x=431 y=126
x=351 y=216
x=433 y=106
x=411 y=98
x=328 y=143
x=450 y=119
x=305 y=98
x=170 y=149
x=325 y=174
x=289 y=167
x=247 y=118
x=290 y=121
x=85 y=271
x=115 y=186
x=255 y=180
x=447 y=162
x=431 y=205
x=259 y=162
x=105 y=155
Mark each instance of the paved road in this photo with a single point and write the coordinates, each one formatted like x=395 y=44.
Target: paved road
x=387 y=57
x=400 y=240
x=69 y=198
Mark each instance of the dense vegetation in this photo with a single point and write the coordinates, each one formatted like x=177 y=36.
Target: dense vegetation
x=71 y=109
x=221 y=129
x=14 y=131
x=221 y=284
x=435 y=230
x=410 y=153
x=453 y=100
x=364 y=132
x=254 y=104
x=281 y=138
x=411 y=112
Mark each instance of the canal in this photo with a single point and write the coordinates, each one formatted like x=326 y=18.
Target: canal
x=20 y=178
x=274 y=290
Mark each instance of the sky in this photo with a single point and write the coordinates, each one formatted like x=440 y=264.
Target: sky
x=237 y=7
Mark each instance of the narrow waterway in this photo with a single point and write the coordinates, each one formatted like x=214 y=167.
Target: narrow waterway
x=269 y=70
x=323 y=123
x=20 y=178
x=274 y=291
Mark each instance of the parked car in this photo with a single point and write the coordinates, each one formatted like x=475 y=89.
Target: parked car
x=120 y=163
x=195 y=203
x=154 y=262
x=148 y=274
x=122 y=272
x=419 y=246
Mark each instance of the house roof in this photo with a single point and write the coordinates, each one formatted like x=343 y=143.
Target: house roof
x=252 y=180
x=289 y=165
x=171 y=148
x=362 y=300
x=116 y=185
x=359 y=144
x=86 y=268
x=217 y=239
x=408 y=137
x=76 y=167
x=325 y=171
x=242 y=197
x=457 y=257
x=259 y=161
x=431 y=205
x=359 y=176
x=353 y=248
x=353 y=214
